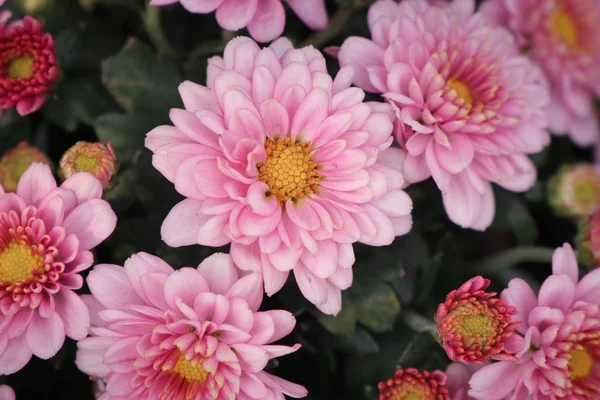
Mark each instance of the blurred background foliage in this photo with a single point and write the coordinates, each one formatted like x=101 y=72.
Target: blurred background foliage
x=121 y=64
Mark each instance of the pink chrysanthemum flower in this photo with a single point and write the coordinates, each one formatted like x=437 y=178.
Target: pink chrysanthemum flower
x=28 y=64
x=265 y=19
x=468 y=107
x=191 y=334
x=412 y=384
x=284 y=163
x=560 y=357
x=46 y=234
x=6 y=392
x=475 y=326
x=563 y=37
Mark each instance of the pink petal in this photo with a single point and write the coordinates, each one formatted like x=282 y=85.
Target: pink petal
x=311 y=12
x=361 y=53
x=85 y=186
x=268 y=21
x=252 y=224
x=291 y=389
x=201 y=7
x=141 y=264
x=274 y=279
x=218 y=272
x=181 y=226
x=35 y=183
x=16 y=355
x=248 y=288
x=254 y=357
x=557 y=291
x=564 y=261
x=275 y=118
x=74 y=314
x=92 y=222
x=587 y=288
x=520 y=295
x=236 y=14
x=184 y=284
x=260 y=203
x=45 y=336
x=110 y=286
x=495 y=381
x=313 y=288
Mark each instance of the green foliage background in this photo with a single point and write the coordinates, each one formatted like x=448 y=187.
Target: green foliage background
x=120 y=73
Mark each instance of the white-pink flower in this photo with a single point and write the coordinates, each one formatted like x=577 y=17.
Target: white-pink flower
x=468 y=107
x=560 y=358
x=286 y=164
x=190 y=334
x=562 y=36
x=46 y=234
x=265 y=19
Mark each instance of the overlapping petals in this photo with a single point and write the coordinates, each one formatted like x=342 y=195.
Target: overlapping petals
x=265 y=19
x=468 y=107
x=286 y=164
x=46 y=234
x=190 y=334
x=560 y=357
x=562 y=36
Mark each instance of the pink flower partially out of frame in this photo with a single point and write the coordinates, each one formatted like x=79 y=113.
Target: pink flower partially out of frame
x=190 y=334
x=468 y=107
x=265 y=19
x=46 y=234
x=560 y=357
x=285 y=163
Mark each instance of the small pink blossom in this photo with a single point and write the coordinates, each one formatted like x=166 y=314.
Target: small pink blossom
x=190 y=334
x=285 y=163
x=560 y=357
x=6 y=392
x=46 y=234
x=468 y=107
x=265 y=19
x=562 y=36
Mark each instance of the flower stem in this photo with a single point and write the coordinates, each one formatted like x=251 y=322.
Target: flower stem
x=151 y=18
x=419 y=323
x=335 y=26
x=514 y=256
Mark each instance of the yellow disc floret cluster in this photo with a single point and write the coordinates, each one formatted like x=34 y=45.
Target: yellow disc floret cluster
x=18 y=263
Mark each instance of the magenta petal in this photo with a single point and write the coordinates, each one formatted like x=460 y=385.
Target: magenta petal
x=45 y=336
x=74 y=313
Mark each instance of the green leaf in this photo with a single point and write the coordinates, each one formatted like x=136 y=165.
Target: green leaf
x=419 y=352
x=126 y=132
x=141 y=82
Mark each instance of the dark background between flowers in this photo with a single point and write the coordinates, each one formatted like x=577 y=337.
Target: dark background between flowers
x=119 y=79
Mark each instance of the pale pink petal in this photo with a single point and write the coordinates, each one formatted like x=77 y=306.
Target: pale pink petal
x=35 y=183
x=45 y=336
x=218 y=272
x=236 y=14
x=564 y=261
x=268 y=21
x=92 y=222
x=110 y=286
x=495 y=381
x=74 y=314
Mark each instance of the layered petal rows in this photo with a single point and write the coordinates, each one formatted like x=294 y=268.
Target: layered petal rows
x=286 y=164
x=190 y=334
x=468 y=107
x=46 y=234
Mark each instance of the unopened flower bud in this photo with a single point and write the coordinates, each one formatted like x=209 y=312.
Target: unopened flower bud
x=575 y=190
x=15 y=161
x=94 y=158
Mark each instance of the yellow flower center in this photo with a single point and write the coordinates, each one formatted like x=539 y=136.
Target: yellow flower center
x=288 y=170
x=17 y=263
x=412 y=396
x=86 y=163
x=563 y=27
x=462 y=89
x=586 y=194
x=191 y=371
x=580 y=364
x=20 y=67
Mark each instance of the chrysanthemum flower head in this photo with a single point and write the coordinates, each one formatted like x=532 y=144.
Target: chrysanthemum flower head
x=6 y=392
x=286 y=164
x=588 y=240
x=46 y=234
x=265 y=19
x=412 y=384
x=190 y=334
x=468 y=106
x=15 y=162
x=560 y=357
x=562 y=36
x=475 y=326
x=28 y=65
x=94 y=158
x=575 y=190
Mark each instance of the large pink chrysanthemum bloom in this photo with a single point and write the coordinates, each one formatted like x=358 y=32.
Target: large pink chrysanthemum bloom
x=191 y=334
x=265 y=19
x=468 y=107
x=562 y=36
x=6 y=392
x=284 y=163
x=28 y=64
x=46 y=234
x=561 y=326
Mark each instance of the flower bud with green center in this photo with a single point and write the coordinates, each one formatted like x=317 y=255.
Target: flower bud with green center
x=588 y=241
x=94 y=158
x=475 y=326
x=575 y=190
x=15 y=161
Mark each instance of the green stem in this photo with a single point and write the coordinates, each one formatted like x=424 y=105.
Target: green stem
x=335 y=26
x=515 y=256
x=419 y=323
x=151 y=18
